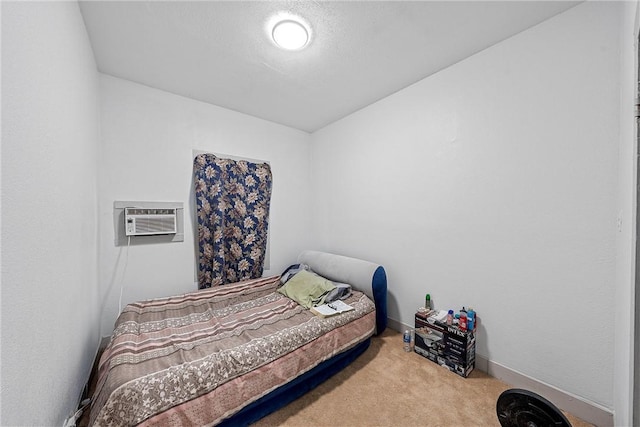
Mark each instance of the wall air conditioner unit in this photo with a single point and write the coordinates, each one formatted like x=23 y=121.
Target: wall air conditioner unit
x=149 y=222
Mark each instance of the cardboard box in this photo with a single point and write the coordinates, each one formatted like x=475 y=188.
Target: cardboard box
x=445 y=345
x=429 y=342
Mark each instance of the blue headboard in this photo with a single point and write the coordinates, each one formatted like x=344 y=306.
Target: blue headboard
x=364 y=276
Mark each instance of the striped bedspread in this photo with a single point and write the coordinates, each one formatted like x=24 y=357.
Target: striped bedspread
x=198 y=358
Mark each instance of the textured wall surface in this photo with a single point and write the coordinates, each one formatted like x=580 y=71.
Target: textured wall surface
x=49 y=158
x=493 y=184
x=148 y=141
x=625 y=302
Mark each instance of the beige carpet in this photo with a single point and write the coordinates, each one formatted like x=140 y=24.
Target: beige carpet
x=388 y=387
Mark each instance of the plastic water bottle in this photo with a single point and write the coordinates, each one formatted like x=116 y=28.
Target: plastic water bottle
x=406 y=339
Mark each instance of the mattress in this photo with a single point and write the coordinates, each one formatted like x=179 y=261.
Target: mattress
x=199 y=358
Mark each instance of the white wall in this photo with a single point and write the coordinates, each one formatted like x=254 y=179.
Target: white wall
x=493 y=184
x=49 y=157
x=148 y=137
x=625 y=245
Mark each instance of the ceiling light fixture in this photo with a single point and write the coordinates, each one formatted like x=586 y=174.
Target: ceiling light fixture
x=290 y=34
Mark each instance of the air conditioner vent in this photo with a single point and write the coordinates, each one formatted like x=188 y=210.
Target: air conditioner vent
x=149 y=222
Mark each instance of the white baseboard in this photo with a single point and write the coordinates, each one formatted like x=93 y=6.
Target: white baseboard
x=397 y=326
x=588 y=411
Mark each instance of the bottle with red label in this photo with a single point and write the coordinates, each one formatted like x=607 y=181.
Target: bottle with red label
x=462 y=322
x=471 y=319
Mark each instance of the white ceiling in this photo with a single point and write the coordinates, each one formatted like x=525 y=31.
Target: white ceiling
x=361 y=51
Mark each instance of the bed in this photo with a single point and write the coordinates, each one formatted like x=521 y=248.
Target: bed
x=232 y=354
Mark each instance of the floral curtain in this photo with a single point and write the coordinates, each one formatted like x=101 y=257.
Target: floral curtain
x=232 y=201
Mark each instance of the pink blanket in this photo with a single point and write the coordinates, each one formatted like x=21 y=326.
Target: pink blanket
x=199 y=358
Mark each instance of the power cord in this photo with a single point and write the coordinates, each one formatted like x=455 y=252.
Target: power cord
x=71 y=421
x=124 y=270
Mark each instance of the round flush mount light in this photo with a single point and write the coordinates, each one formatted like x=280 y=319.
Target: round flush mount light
x=290 y=34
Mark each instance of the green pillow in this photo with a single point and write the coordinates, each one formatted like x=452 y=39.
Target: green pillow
x=307 y=289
